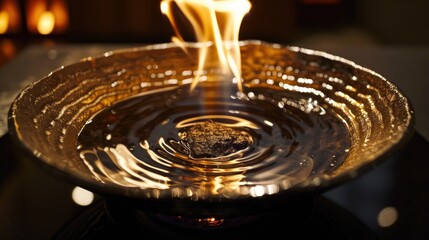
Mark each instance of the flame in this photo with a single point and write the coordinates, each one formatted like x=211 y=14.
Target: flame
x=4 y=21
x=215 y=23
x=10 y=19
x=46 y=23
x=47 y=17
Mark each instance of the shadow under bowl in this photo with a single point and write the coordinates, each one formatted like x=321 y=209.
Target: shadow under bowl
x=48 y=117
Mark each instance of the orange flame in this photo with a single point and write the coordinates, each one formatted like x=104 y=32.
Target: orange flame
x=46 y=23
x=47 y=17
x=217 y=23
x=4 y=21
x=10 y=19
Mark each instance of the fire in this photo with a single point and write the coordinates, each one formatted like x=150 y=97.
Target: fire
x=10 y=18
x=46 y=23
x=215 y=23
x=47 y=17
x=4 y=21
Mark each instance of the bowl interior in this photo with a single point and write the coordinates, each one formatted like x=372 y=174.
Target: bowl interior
x=48 y=116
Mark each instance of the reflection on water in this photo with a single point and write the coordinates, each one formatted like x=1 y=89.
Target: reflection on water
x=136 y=143
x=305 y=111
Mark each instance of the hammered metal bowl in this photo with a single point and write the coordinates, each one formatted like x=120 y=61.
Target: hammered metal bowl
x=48 y=115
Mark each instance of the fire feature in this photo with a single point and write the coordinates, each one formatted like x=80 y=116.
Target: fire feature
x=217 y=23
x=119 y=123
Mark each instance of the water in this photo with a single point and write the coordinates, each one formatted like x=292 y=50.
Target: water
x=136 y=143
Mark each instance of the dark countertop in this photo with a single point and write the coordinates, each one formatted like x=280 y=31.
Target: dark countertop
x=389 y=202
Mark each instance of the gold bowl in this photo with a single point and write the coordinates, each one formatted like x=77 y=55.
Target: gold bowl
x=48 y=116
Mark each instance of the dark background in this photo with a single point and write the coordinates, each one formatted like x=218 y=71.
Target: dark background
x=286 y=21
x=308 y=23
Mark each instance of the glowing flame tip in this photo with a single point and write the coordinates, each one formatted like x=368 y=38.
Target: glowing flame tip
x=217 y=22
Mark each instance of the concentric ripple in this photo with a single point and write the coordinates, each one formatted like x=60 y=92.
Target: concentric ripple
x=112 y=123
x=136 y=143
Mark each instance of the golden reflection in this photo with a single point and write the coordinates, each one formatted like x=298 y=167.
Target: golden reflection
x=236 y=122
x=211 y=221
x=165 y=172
x=257 y=191
x=223 y=184
x=203 y=222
